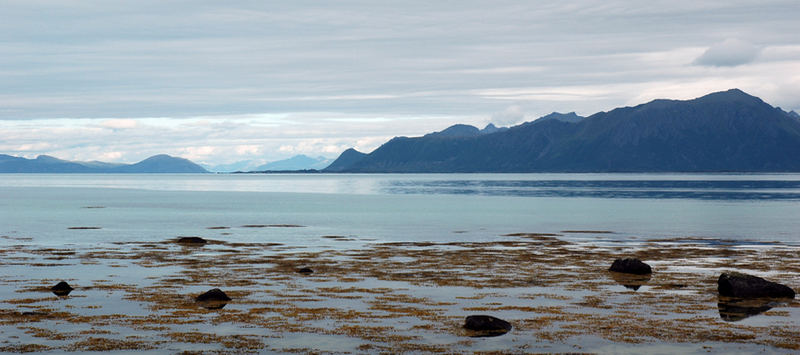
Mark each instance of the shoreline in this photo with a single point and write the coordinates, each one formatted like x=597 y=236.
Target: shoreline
x=391 y=297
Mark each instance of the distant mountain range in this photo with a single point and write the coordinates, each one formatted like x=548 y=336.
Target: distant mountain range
x=723 y=131
x=720 y=132
x=297 y=162
x=47 y=164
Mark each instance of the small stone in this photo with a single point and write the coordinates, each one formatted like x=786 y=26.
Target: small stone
x=61 y=289
x=735 y=284
x=630 y=266
x=191 y=240
x=486 y=326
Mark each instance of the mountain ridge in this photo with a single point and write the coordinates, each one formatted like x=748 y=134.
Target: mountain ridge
x=722 y=131
x=161 y=163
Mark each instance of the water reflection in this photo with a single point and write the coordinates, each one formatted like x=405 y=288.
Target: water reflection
x=630 y=281
x=650 y=189
x=734 y=309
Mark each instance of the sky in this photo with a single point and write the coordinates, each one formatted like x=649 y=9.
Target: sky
x=224 y=81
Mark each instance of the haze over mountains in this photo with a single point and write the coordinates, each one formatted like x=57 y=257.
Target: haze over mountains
x=723 y=131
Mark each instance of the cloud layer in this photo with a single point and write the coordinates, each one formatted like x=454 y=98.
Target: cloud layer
x=729 y=53
x=221 y=81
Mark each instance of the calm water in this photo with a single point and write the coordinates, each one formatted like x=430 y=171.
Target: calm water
x=341 y=214
x=439 y=207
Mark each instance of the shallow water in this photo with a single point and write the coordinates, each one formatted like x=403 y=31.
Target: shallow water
x=388 y=253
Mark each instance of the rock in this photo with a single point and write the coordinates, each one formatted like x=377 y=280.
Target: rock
x=485 y=326
x=305 y=271
x=630 y=266
x=213 y=295
x=213 y=299
x=61 y=289
x=191 y=240
x=734 y=284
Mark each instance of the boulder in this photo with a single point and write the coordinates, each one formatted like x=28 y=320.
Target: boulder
x=630 y=266
x=213 y=295
x=735 y=284
x=484 y=325
x=213 y=299
x=191 y=240
x=61 y=289
x=305 y=271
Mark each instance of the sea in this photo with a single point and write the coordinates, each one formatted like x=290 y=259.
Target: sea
x=386 y=250
x=400 y=207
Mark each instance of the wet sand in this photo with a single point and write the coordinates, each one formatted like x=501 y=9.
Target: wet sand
x=366 y=296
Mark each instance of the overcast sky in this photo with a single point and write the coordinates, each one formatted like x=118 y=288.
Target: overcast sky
x=223 y=81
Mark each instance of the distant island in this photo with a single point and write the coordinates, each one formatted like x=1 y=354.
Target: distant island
x=728 y=131
x=46 y=164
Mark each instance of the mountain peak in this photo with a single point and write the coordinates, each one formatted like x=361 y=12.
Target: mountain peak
x=456 y=130
x=346 y=160
x=732 y=95
x=570 y=117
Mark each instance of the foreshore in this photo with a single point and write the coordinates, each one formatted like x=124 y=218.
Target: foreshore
x=367 y=296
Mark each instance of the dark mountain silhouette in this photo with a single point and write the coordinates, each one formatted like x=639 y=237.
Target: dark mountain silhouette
x=347 y=159
x=47 y=164
x=723 y=131
x=463 y=130
x=571 y=117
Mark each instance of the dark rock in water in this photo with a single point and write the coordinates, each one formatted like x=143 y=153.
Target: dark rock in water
x=213 y=299
x=630 y=281
x=740 y=285
x=191 y=240
x=630 y=266
x=305 y=271
x=34 y=314
x=486 y=326
x=213 y=295
x=61 y=289
x=736 y=309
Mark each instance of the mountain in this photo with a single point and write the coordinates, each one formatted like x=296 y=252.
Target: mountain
x=463 y=130
x=347 y=159
x=242 y=165
x=297 y=162
x=571 y=117
x=161 y=163
x=47 y=164
x=723 y=131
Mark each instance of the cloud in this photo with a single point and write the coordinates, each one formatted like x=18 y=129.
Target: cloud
x=729 y=53
x=249 y=78
x=511 y=115
x=119 y=123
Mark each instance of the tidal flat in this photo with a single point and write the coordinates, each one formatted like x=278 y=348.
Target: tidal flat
x=358 y=295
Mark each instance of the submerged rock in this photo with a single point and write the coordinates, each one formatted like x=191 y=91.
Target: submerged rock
x=213 y=299
x=305 y=271
x=486 y=326
x=630 y=266
x=735 y=284
x=61 y=289
x=191 y=240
